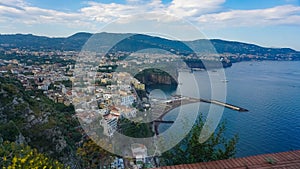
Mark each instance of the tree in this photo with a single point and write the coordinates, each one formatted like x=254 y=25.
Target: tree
x=13 y=155
x=190 y=150
x=135 y=129
x=94 y=156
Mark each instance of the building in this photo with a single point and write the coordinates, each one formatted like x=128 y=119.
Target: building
x=139 y=151
x=128 y=112
x=127 y=100
x=109 y=125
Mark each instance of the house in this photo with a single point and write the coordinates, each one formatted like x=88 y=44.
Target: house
x=139 y=151
x=109 y=125
x=127 y=100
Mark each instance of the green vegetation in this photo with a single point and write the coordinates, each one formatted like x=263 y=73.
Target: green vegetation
x=190 y=150
x=93 y=156
x=45 y=125
x=135 y=129
x=13 y=155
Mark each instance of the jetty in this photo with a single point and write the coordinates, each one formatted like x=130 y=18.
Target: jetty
x=229 y=106
x=177 y=101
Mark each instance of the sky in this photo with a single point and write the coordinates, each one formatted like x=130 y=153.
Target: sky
x=269 y=23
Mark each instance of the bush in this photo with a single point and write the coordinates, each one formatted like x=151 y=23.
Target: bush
x=13 y=155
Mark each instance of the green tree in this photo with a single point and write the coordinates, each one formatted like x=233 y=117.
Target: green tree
x=94 y=156
x=135 y=129
x=190 y=150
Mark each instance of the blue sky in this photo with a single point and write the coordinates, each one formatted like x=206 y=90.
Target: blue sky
x=271 y=23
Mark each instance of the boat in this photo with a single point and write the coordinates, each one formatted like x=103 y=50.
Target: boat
x=225 y=80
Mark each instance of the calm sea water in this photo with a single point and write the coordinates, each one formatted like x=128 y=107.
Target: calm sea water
x=271 y=93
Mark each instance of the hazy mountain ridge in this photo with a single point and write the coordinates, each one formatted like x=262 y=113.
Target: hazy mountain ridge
x=135 y=42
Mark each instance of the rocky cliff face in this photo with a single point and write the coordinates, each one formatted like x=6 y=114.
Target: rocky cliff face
x=156 y=77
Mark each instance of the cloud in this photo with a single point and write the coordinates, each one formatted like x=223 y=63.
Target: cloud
x=279 y=15
x=189 y=8
x=205 y=12
x=108 y=12
x=13 y=2
x=94 y=12
x=17 y=11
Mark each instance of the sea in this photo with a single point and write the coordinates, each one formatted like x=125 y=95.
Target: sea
x=270 y=90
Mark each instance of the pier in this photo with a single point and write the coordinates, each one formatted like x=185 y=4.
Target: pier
x=229 y=106
x=178 y=101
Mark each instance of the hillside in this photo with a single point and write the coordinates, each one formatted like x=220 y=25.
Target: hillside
x=135 y=42
x=31 y=118
x=32 y=42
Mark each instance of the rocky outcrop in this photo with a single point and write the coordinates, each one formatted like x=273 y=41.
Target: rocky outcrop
x=155 y=76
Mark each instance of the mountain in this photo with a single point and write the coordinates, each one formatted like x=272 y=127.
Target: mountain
x=136 y=42
x=75 y=42
x=233 y=47
x=32 y=42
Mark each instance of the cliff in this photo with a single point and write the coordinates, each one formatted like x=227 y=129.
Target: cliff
x=155 y=76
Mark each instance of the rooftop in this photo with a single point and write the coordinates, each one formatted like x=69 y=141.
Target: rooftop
x=285 y=160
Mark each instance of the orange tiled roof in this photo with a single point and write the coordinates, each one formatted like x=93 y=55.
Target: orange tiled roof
x=287 y=160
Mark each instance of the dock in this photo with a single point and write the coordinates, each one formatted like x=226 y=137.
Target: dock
x=229 y=106
x=178 y=101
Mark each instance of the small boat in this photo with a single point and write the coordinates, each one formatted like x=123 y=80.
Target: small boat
x=225 y=80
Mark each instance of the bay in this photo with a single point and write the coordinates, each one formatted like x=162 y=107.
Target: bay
x=270 y=90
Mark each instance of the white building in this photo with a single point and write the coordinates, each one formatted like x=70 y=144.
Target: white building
x=127 y=100
x=109 y=126
x=139 y=151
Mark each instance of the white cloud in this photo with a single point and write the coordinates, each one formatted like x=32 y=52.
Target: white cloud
x=189 y=8
x=30 y=15
x=19 y=11
x=205 y=12
x=287 y=14
x=106 y=12
x=13 y=2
